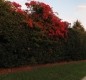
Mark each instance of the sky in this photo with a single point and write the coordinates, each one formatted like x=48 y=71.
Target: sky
x=68 y=10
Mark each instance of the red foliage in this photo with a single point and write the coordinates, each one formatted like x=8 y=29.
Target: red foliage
x=16 y=4
x=15 y=7
x=42 y=16
x=30 y=23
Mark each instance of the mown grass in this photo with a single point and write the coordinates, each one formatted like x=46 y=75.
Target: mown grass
x=70 y=71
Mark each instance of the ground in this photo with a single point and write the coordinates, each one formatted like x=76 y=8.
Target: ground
x=29 y=68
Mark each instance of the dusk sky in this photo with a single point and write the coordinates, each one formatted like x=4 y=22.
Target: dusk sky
x=68 y=10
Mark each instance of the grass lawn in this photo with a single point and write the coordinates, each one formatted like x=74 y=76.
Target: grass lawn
x=70 y=71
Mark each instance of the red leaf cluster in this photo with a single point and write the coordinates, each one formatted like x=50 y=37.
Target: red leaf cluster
x=42 y=16
x=15 y=7
x=16 y=4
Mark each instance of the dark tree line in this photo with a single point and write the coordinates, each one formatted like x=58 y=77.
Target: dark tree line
x=22 y=45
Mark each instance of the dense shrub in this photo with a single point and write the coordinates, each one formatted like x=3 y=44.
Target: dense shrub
x=75 y=47
x=36 y=35
x=26 y=38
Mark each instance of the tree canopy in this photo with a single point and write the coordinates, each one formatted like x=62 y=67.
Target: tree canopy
x=78 y=26
x=36 y=35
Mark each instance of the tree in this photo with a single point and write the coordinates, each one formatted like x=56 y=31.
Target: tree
x=41 y=15
x=10 y=34
x=78 y=26
x=72 y=46
x=27 y=37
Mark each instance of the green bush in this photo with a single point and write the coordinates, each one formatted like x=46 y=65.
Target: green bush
x=22 y=45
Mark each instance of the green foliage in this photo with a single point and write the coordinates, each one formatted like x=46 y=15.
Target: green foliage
x=21 y=44
x=75 y=45
x=78 y=26
x=72 y=45
x=10 y=35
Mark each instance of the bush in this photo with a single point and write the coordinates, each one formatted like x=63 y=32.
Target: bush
x=25 y=39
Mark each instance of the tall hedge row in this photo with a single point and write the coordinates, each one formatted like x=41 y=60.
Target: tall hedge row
x=21 y=44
